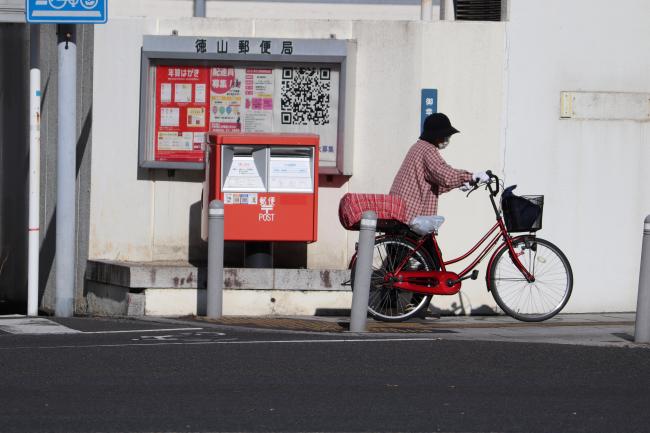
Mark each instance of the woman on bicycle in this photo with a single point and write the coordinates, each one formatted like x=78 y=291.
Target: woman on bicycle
x=424 y=174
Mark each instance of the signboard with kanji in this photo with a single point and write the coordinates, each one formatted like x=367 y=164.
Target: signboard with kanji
x=428 y=104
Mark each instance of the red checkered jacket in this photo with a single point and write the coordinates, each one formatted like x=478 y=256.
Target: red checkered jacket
x=423 y=176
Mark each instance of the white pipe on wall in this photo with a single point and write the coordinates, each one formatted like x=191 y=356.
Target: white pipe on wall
x=33 y=225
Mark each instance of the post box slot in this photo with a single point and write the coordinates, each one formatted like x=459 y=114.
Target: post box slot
x=244 y=169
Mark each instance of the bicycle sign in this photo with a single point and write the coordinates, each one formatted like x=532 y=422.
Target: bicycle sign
x=66 y=11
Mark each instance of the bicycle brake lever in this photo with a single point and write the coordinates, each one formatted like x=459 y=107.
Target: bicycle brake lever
x=472 y=190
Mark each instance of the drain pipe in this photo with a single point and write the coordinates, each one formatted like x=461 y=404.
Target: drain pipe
x=199 y=8
x=66 y=171
x=33 y=225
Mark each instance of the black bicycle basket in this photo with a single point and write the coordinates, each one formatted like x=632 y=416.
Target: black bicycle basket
x=522 y=213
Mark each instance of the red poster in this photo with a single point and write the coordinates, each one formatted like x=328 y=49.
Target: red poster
x=182 y=112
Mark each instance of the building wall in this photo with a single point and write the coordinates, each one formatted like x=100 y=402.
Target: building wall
x=287 y=9
x=499 y=82
x=592 y=172
x=147 y=215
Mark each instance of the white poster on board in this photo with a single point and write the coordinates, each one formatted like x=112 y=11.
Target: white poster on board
x=258 y=112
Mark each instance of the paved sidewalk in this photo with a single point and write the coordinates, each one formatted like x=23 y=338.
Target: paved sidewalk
x=606 y=329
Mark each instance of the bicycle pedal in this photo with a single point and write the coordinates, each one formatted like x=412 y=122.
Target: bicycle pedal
x=473 y=276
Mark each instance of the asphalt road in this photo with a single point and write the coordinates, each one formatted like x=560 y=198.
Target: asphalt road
x=155 y=377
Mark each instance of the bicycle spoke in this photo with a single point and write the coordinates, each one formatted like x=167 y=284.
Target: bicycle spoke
x=386 y=302
x=541 y=298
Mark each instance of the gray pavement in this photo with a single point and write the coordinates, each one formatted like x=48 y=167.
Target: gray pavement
x=602 y=329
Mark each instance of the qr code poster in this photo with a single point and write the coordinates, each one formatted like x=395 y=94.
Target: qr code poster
x=308 y=99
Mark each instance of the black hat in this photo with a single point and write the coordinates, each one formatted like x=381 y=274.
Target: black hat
x=437 y=125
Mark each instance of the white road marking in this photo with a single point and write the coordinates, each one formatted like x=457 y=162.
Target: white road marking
x=228 y=341
x=142 y=330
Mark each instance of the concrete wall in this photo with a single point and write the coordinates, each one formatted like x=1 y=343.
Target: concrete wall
x=272 y=9
x=593 y=172
x=146 y=215
x=499 y=82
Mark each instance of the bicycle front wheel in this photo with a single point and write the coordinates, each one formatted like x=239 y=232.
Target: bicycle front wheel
x=386 y=302
x=531 y=301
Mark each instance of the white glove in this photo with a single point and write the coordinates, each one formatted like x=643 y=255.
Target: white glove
x=480 y=177
x=465 y=187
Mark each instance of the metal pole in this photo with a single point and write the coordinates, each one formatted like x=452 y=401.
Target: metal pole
x=199 y=8
x=642 y=325
x=426 y=10
x=215 y=259
x=66 y=172
x=33 y=225
x=447 y=10
x=363 y=271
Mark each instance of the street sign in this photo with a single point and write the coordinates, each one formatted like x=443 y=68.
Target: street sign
x=66 y=11
x=428 y=104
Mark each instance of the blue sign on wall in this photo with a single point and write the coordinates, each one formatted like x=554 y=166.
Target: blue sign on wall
x=428 y=104
x=66 y=11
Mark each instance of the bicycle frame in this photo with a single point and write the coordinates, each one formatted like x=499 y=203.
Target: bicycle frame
x=443 y=282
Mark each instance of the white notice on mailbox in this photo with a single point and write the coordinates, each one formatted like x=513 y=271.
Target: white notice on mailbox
x=290 y=174
x=243 y=175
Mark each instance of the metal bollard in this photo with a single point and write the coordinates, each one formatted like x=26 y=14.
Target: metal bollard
x=363 y=272
x=642 y=324
x=215 y=260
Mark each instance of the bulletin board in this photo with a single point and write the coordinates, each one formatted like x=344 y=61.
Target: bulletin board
x=181 y=107
x=192 y=85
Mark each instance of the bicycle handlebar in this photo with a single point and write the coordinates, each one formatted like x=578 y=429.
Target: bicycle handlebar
x=494 y=180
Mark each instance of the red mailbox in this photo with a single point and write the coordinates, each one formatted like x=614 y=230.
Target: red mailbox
x=268 y=184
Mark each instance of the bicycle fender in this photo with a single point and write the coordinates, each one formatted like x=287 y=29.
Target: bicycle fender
x=496 y=253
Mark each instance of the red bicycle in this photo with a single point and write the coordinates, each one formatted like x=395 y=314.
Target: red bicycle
x=529 y=277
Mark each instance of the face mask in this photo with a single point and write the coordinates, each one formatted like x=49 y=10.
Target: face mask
x=443 y=144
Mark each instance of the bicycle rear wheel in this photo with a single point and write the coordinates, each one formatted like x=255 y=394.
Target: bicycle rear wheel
x=388 y=303
x=531 y=301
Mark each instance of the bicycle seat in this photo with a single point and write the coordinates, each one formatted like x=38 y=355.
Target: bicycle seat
x=426 y=224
